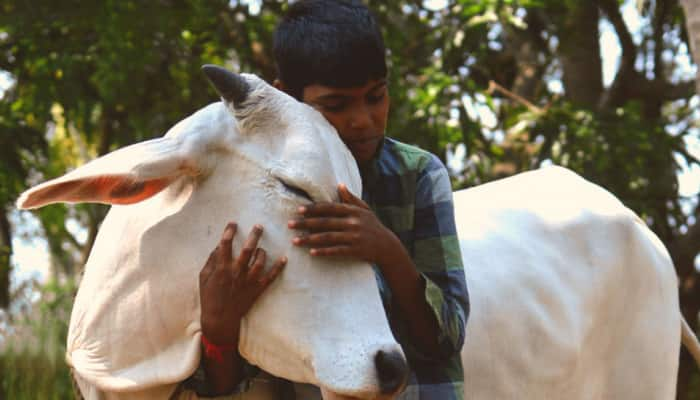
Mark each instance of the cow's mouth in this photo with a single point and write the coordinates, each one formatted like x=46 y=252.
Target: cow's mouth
x=296 y=190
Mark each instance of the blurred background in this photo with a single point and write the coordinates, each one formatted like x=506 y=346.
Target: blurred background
x=494 y=87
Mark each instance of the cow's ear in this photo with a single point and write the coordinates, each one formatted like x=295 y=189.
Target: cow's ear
x=125 y=176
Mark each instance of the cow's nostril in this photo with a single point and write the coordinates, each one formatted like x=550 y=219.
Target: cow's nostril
x=392 y=371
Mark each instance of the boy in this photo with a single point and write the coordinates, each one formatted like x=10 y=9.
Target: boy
x=330 y=55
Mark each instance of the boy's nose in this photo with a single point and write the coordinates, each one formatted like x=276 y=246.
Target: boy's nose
x=361 y=119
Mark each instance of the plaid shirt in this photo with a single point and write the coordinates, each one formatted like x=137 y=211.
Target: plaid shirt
x=410 y=192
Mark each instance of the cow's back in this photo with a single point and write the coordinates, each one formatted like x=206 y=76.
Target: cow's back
x=572 y=296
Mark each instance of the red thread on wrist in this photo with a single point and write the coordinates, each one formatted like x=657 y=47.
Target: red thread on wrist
x=216 y=352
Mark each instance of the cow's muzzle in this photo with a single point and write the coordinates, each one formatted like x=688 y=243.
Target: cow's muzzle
x=392 y=371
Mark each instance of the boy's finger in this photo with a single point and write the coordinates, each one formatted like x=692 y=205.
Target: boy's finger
x=321 y=224
x=325 y=239
x=334 y=251
x=243 y=260
x=208 y=268
x=225 y=246
x=257 y=265
x=347 y=197
x=326 y=210
x=271 y=275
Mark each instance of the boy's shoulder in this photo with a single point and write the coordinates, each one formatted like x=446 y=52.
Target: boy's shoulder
x=407 y=157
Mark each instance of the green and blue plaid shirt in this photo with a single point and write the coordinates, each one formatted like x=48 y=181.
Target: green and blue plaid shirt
x=409 y=190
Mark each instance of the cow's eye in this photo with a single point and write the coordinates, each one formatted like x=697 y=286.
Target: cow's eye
x=296 y=191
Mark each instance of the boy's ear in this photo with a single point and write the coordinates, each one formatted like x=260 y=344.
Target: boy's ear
x=281 y=86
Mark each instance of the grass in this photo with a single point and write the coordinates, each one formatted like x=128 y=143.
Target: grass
x=32 y=359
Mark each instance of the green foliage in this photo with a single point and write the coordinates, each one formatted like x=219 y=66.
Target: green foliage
x=620 y=151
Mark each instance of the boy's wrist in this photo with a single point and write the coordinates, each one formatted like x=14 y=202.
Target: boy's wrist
x=223 y=336
x=385 y=250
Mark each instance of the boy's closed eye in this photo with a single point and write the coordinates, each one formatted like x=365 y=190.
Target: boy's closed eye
x=333 y=106
x=331 y=103
x=376 y=97
x=340 y=105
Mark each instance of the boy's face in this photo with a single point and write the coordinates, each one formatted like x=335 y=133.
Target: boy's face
x=359 y=114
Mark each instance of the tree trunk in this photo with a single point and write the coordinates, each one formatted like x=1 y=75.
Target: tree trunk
x=580 y=54
x=692 y=17
x=528 y=47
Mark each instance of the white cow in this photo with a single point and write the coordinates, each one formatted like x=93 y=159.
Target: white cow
x=572 y=297
x=254 y=158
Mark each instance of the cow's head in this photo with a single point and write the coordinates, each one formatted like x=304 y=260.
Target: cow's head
x=253 y=158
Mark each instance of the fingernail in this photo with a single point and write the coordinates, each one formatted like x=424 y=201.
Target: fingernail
x=296 y=240
x=258 y=228
x=284 y=260
x=301 y=210
x=291 y=223
x=228 y=232
x=313 y=252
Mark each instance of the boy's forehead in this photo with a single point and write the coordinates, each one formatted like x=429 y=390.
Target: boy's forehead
x=318 y=91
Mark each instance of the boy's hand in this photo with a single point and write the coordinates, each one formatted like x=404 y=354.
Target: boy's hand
x=228 y=285
x=347 y=229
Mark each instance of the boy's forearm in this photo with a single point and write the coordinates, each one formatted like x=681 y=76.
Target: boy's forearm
x=408 y=292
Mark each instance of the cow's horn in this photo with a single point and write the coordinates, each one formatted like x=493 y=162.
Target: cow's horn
x=232 y=87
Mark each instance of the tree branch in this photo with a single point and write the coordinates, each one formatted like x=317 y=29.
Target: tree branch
x=626 y=77
x=629 y=50
x=660 y=15
x=493 y=87
x=682 y=90
x=527 y=46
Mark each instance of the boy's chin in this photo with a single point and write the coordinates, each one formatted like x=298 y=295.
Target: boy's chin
x=364 y=153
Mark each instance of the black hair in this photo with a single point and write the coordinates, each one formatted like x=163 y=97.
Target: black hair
x=334 y=43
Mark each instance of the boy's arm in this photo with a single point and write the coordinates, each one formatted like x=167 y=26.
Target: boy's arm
x=433 y=272
x=409 y=291
x=438 y=258
x=228 y=287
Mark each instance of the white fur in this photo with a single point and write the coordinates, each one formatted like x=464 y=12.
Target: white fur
x=572 y=296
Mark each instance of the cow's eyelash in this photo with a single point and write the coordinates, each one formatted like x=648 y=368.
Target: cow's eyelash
x=296 y=190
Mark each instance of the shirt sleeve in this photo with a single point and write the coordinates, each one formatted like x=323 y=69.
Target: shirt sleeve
x=438 y=258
